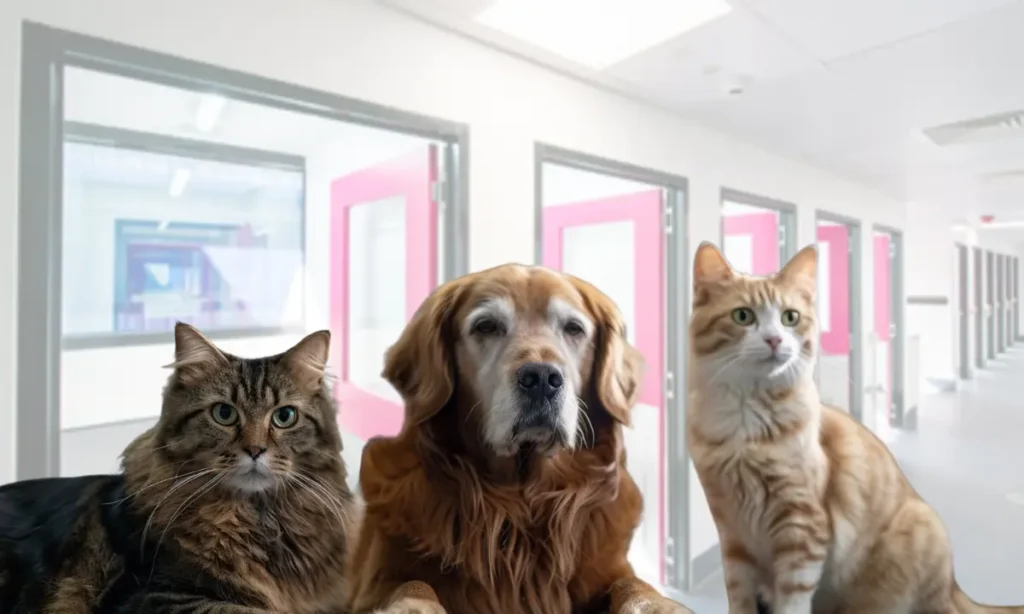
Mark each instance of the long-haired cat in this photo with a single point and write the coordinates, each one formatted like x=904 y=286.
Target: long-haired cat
x=235 y=502
x=813 y=513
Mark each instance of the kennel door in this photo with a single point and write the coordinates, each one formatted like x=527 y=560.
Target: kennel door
x=617 y=244
x=383 y=250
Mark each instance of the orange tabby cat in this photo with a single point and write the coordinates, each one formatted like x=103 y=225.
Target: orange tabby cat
x=813 y=513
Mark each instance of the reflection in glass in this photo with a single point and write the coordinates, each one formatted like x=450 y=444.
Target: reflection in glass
x=376 y=307
x=152 y=238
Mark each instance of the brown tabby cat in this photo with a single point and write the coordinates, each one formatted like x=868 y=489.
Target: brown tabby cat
x=236 y=502
x=813 y=513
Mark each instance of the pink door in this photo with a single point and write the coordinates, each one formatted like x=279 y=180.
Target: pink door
x=834 y=313
x=383 y=264
x=751 y=242
x=883 y=320
x=616 y=243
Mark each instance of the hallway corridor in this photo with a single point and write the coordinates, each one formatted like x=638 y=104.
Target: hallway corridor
x=967 y=460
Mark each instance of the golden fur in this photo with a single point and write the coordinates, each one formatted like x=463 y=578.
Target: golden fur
x=452 y=526
x=812 y=510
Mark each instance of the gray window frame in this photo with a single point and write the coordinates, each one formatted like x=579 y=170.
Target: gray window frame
x=681 y=569
x=46 y=51
x=787 y=219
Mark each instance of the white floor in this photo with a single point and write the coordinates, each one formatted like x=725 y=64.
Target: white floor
x=966 y=459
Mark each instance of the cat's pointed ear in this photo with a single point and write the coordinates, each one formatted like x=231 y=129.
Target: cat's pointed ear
x=710 y=266
x=195 y=356
x=307 y=360
x=802 y=269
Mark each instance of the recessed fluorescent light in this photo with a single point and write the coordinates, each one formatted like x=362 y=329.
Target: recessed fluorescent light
x=209 y=110
x=179 y=181
x=1007 y=224
x=599 y=33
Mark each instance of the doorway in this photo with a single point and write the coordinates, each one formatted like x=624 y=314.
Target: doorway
x=1009 y=301
x=839 y=363
x=162 y=190
x=586 y=205
x=1001 y=310
x=1015 y=285
x=990 y=305
x=758 y=234
x=963 y=311
x=886 y=340
x=979 y=308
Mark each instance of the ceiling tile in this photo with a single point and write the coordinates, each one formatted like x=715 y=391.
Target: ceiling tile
x=700 y=65
x=832 y=29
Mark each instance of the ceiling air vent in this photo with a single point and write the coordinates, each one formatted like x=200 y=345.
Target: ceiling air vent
x=981 y=130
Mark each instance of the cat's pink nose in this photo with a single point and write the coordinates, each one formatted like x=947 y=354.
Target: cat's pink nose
x=773 y=342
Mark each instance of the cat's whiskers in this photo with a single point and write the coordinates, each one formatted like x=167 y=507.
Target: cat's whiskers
x=170 y=491
x=728 y=361
x=157 y=483
x=326 y=490
x=205 y=488
x=319 y=491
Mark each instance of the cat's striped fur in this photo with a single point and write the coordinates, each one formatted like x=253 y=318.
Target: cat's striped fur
x=813 y=512
x=239 y=516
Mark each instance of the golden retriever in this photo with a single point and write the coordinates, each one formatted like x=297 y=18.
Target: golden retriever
x=506 y=491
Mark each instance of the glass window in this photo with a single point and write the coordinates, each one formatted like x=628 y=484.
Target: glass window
x=151 y=238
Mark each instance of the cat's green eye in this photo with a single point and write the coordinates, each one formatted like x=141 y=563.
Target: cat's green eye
x=790 y=317
x=285 y=417
x=224 y=414
x=744 y=316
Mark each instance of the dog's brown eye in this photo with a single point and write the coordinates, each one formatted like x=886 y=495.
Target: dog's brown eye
x=574 y=329
x=486 y=326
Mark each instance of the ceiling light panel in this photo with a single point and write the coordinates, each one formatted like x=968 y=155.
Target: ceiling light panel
x=599 y=33
x=980 y=130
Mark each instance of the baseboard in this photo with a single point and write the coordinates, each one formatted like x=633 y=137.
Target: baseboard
x=944 y=384
x=705 y=566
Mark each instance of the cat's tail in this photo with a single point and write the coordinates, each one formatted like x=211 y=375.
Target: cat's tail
x=966 y=605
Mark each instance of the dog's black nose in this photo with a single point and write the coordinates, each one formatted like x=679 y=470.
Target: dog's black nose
x=539 y=380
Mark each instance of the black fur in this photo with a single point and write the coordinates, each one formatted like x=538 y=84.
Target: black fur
x=47 y=524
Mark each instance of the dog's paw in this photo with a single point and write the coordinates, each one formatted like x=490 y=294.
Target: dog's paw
x=659 y=605
x=409 y=605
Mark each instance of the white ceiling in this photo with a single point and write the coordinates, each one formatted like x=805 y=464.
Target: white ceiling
x=848 y=85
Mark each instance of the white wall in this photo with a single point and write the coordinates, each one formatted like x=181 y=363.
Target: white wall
x=931 y=267
x=930 y=264
x=507 y=103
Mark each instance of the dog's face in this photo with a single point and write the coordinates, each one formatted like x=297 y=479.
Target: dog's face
x=527 y=344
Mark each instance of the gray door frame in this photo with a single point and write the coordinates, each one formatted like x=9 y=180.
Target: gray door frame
x=46 y=52
x=990 y=307
x=963 y=310
x=856 y=387
x=679 y=571
x=900 y=416
x=1001 y=303
x=980 y=355
x=787 y=219
x=1015 y=288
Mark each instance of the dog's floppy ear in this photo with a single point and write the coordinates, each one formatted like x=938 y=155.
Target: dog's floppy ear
x=419 y=365
x=618 y=366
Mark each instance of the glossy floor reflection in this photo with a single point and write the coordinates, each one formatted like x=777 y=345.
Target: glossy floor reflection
x=967 y=460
